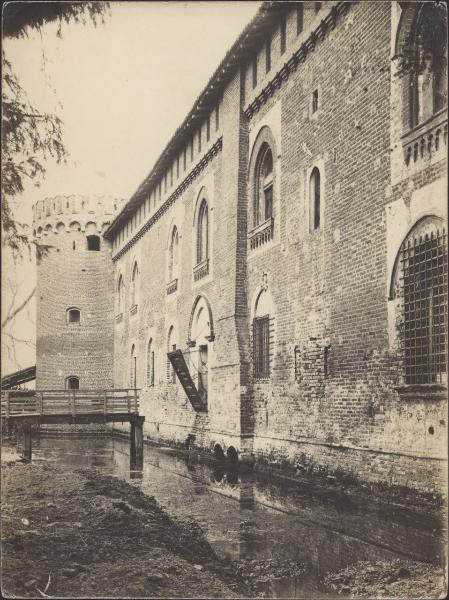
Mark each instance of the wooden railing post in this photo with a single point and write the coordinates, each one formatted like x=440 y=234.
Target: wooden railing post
x=73 y=403
x=41 y=402
x=7 y=404
x=128 y=400
x=105 y=402
x=135 y=400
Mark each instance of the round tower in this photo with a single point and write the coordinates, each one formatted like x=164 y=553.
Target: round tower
x=74 y=294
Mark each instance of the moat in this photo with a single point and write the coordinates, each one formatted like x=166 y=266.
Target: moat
x=249 y=519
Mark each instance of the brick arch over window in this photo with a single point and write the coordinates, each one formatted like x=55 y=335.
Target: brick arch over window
x=198 y=299
x=423 y=66
x=419 y=291
x=262 y=175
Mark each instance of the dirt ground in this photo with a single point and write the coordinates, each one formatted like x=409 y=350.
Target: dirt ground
x=84 y=534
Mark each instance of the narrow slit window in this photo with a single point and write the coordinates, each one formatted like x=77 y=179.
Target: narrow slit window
x=283 y=34
x=299 y=18
x=254 y=70
x=268 y=55
x=315 y=200
x=315 y=101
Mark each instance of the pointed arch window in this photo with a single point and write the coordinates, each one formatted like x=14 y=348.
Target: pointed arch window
x=134 y=285
x=315 y=199
x=429 y=85
x=202 y=249
x=263 y=201
x=120 y=294
x=173 y=261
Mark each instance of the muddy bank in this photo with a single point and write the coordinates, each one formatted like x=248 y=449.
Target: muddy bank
x=81 y=533
x=398 y=578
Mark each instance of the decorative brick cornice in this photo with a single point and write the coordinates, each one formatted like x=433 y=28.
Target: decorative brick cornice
x=193 y=174
x=298 y=57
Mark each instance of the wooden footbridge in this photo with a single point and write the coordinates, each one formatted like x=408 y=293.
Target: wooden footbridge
x=27 y=408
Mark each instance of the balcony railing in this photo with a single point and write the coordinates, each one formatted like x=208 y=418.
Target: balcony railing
x=201 y=270
x=133 y=309
x=119 y=318
x=425 y=139
x=172 y=287
x=261 y=234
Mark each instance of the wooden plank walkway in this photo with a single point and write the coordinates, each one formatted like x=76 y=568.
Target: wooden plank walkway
x=50 y=406
x=27 y=408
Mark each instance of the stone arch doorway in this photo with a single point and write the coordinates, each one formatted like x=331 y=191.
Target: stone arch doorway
x=201 y=336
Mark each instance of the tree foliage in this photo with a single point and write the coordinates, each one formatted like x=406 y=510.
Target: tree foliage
x=31 y=137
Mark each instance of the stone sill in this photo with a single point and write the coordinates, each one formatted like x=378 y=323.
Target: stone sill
x=172 y=287
x=423 y=391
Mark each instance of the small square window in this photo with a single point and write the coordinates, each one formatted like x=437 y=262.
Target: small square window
x=73 y=315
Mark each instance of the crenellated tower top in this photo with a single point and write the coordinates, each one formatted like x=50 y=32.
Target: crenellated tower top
x=74 y=212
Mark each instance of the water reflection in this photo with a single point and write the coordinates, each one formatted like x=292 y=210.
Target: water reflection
x=245 y=515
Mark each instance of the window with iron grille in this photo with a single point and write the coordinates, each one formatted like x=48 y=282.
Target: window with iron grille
x=424 y=283
x=261 y=342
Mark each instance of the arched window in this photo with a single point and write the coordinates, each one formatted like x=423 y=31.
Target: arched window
x=73 y=315
x=315 y=199
x=421 y=47
x=173 y=255
x=420 y=294
x=262 y=325
x=263 y=189
x=120 y=294
x=93 y=242
x=133 y=368
x=134 y=285
x=150 y=363
x=72 y=383
x=202 y=248
x=431 y=61
x=171 y=345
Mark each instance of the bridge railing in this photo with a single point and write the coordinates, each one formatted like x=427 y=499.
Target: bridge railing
x=72 y=402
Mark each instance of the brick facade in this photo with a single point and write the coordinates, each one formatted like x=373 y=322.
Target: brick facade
x=71 y=276
x=325 y=96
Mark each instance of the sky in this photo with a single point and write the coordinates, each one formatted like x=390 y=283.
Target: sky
x=121 y=90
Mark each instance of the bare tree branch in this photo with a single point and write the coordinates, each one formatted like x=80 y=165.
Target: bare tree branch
x=21 y=306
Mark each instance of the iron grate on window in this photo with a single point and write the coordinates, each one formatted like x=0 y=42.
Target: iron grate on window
x=261 y=340
x=424 y=272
